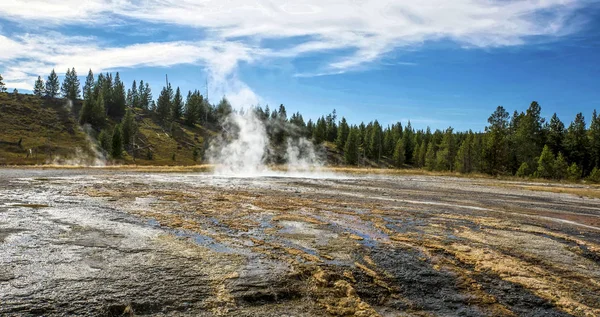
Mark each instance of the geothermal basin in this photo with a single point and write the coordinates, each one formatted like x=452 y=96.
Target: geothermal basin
x=111 y=243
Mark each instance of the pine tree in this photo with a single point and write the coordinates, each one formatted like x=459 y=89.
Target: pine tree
x=118 y=98
x=367 y=137
x=396 y=132
x=282 y=113
x=496 y=145
x=351 y=148
x=75 y=88
x=446 y=152
x=408 y=141
x=201 y=106
x=546 y=163
x=163 y=105
x=594 y=176
x=297 y=120
x=107 y=94
x=362 y=134
x=276 y=130
x=142 y=94
x=99 y=112
x=574 y=172
x=145 y=95
x=417 y=154
x=142 y=103
x=97 y=91
x=52 y=85
x=2 y=85
x=376 y=141
x=528 y=137
x=523 y=170
x=128 y=99
x=129 y=128
x=343 y=131
x=478 y=151
x=310 y=128
x=555 y=134
x=320 y=131
x=576 y=142
x=133 y=98
x=191 y=110
x=430 y=157
x=39 y=87
x=398 y=155
x=513 y=163
x=177 y=110
x=560 y=167
x=388 y=142
x=224 y=109
x=117 y=142
x=594 y=135
x=331 y=131
x=420 y=159
x=88 y=87
x=86 y=113
x=105 y=140
x=70 y=86
x=93 y=111
x=464 y=156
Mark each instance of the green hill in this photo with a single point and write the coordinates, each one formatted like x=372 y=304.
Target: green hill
x=49 y=130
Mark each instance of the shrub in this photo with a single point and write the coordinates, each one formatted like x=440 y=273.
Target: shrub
x=523 y=170
x=594 y=176
x=574 y=172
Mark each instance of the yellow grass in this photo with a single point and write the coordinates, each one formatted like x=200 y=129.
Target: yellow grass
x=590 y=191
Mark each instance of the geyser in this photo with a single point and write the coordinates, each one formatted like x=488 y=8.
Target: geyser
x=240 y=150
x=243 y=149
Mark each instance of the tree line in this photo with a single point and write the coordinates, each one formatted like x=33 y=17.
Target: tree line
x=524 y=144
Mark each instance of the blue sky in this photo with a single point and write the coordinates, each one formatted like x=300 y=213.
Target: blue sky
x=436 y=63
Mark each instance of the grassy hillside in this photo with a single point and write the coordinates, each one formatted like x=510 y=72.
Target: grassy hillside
x=50 y=129
x=178 y=142
x=47 y=127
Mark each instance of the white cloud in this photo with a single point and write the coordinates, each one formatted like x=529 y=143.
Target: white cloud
x=30 y=55
x=364 y=30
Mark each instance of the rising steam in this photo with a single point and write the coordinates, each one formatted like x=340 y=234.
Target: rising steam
x=244 y=150
x=241 y=150
x=91 y=156
x=301 y=156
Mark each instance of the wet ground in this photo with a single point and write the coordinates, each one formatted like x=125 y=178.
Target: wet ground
x=112 y=243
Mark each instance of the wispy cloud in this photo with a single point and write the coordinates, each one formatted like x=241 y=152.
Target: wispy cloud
x=364 y=30
x=27 y=56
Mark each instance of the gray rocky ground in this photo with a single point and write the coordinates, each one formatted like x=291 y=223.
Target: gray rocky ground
x=111 y=243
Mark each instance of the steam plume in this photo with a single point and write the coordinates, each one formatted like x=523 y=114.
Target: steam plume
x=244 y=149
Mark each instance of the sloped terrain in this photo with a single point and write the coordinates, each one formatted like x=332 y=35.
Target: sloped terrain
x=49 y=127
x=46 y=126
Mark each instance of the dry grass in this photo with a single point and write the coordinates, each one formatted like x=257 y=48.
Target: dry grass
x=133 y=168
x=590 y=191
x=34 y=206
x=47 y=127
x=581 y=192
